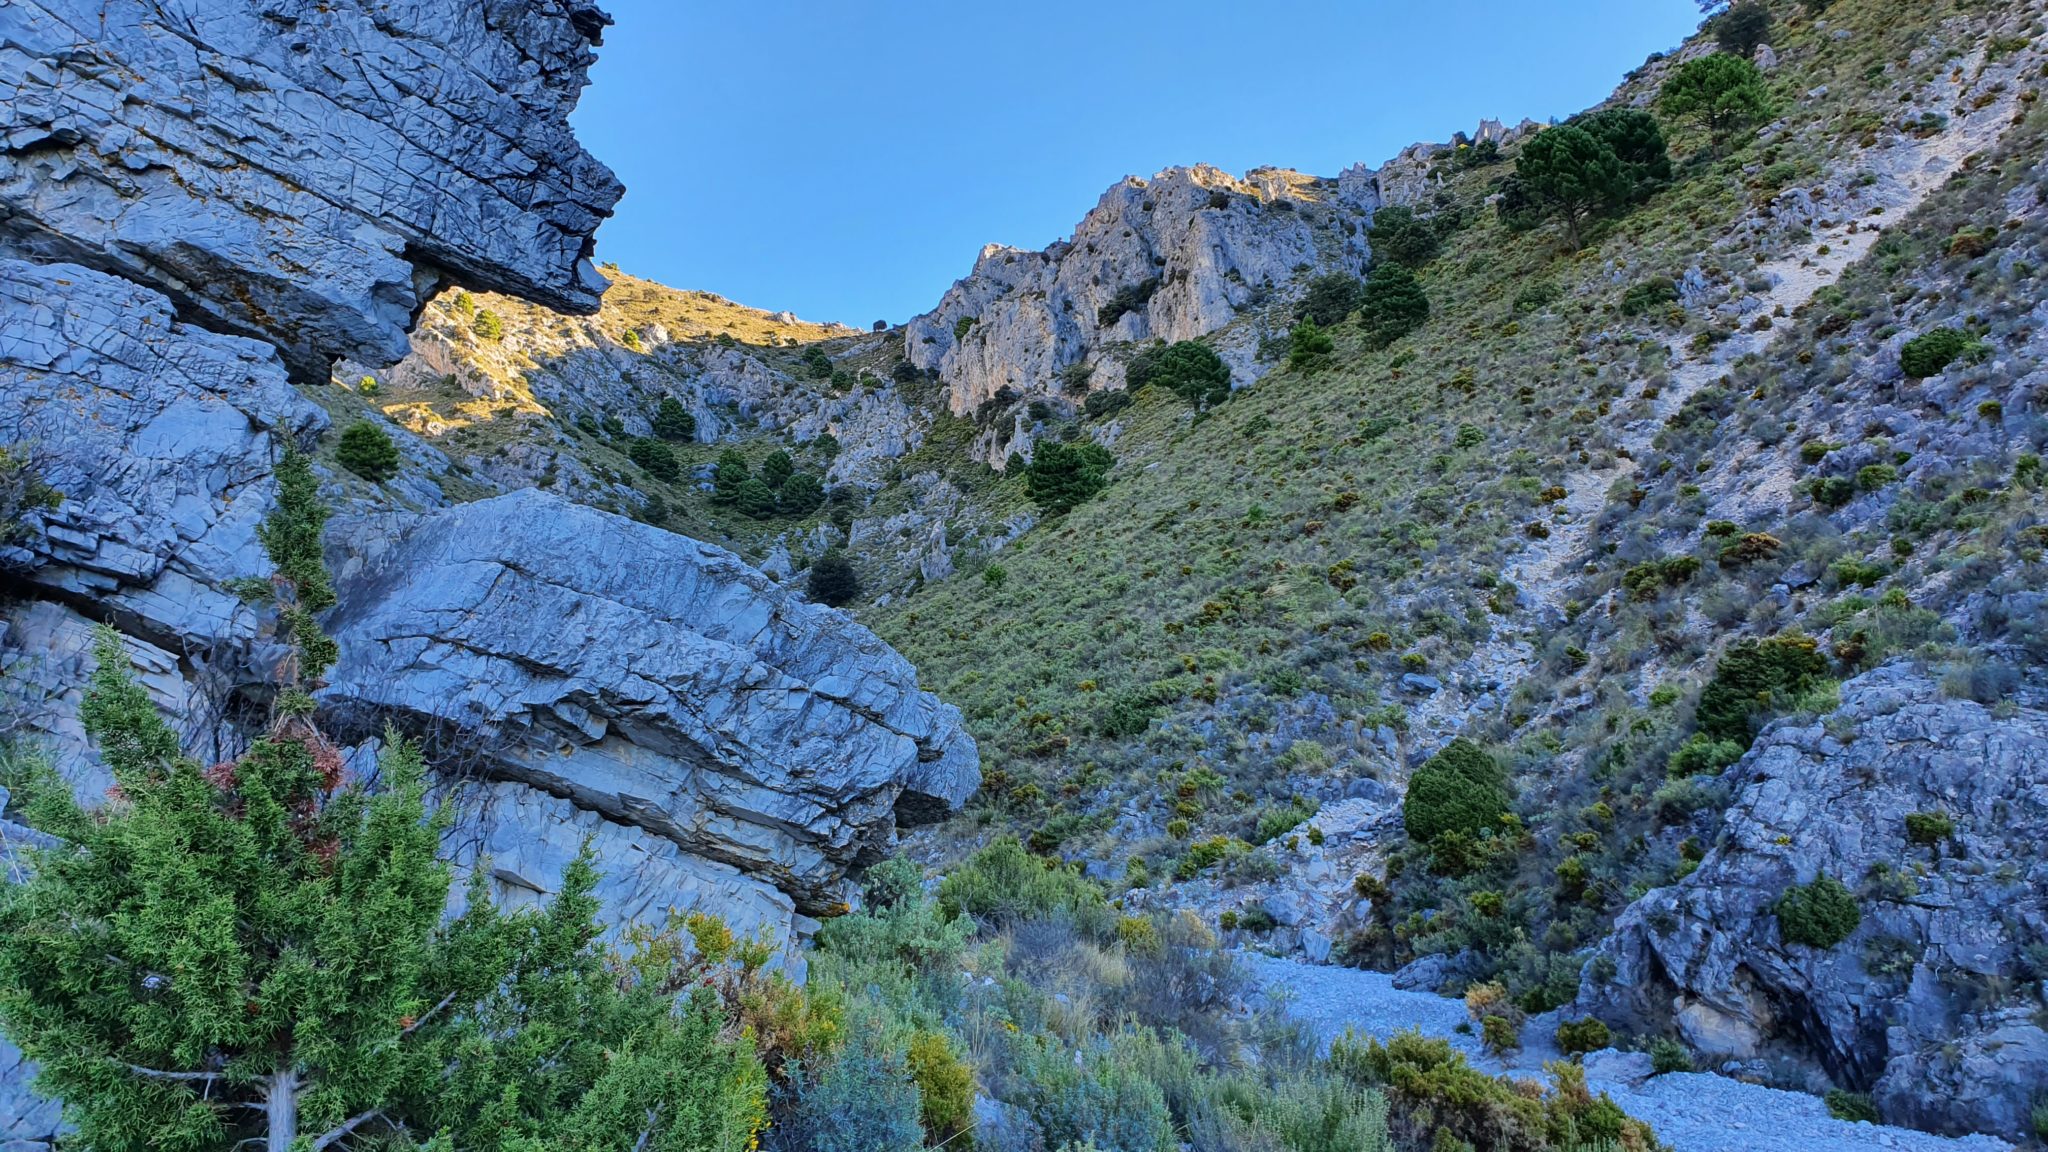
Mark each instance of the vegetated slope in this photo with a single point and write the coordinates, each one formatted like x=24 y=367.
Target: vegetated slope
x=1541 y=520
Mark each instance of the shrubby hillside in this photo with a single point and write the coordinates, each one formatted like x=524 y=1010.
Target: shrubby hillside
x=1590 y=570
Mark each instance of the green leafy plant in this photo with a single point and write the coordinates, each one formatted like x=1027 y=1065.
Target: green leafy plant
x=833 y=580
x=1719 y=92
x=367 y=450
x=1820 y=914
x=1460 y=789
x=1062 y=477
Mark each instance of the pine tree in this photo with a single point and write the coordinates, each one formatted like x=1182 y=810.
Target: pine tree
x=777 y=468
x=801 y=495
x=367 y=451
x=1392 y=306
x=1719 y=92
x=1572 y=174
x=1400 y=236
x=729 y=475
x=1062 y=477
x=672 y=421
x=833 y=580
x=254 y=953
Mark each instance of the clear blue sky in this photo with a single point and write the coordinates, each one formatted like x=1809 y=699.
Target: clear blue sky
x=846 y=160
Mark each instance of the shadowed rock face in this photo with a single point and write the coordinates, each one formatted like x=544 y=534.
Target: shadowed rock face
x=1894 y=1009
x=304 y=171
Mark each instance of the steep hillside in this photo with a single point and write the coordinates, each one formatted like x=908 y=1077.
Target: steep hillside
x=1549 y=520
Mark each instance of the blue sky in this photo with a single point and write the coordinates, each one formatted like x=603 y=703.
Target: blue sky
x=846 y=160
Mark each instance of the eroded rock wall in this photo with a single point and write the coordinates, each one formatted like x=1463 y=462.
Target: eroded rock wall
x=1915 y=1005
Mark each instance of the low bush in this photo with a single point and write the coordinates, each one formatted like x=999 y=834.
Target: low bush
x=1578 y=1037
x=367 y=450
x=833 y=580
x=1821 y=914
x=1668 y=1055
x=1854 y=1107
x=1755 y=679
x=1003 y=884
x=1929 y=828
x=1460 y=789
x=1930 y=352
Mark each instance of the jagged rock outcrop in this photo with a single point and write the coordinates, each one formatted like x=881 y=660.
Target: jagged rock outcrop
x=1916 y=1005
x=1174 y=257
x=304 y=171
x=203 y=208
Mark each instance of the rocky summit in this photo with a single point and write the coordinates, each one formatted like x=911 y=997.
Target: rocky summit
x=1536 y=644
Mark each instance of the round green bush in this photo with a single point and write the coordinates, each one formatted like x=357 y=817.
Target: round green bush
x=1189 y=369
x=1820 y=915
x=1928 y=353
x=1460 y=789
x=367 y=451
x=1577 y=1037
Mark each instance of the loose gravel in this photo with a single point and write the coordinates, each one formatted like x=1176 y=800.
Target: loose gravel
x=1690 y=1111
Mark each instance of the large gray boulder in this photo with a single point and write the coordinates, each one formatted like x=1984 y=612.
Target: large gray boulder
x=304 y=171
x=1916 y=1005
x=644 y=676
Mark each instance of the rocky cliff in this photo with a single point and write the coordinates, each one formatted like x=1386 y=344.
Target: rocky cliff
x=1929 y=811
x=202 y=210
x=1175 y=257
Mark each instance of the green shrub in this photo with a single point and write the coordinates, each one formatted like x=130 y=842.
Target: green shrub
x=945 y=1085
x=1500 y=1034
x=1129 y=298
x=1460 y=789
x=995 y=576
x=833 y=580
x=1003 y=884
x=1649 y=296
x=1577 y=1037
x=1062 y=477
x=863 y=1101
x=672 y=421
x=1308 y=345
x=1189 y=369
x=963 y=326
x=1400 y=236
x=1703 y=755
x=1928 y=353
x=1820 y=915
x=1668 y=1055
x=1330 y=298
x=1644 y=580
x=1392 y=306
x=655 y=458
x=1929 y=828
x=1854 y=1107
x=1096 y=1096
x=367 y=450
x=487 y=325
x=1753 y=680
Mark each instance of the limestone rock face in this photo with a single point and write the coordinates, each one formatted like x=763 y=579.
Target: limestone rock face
x=1174 y=257
x=649 y=678
x=304 y=171
x=1911 y=1007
